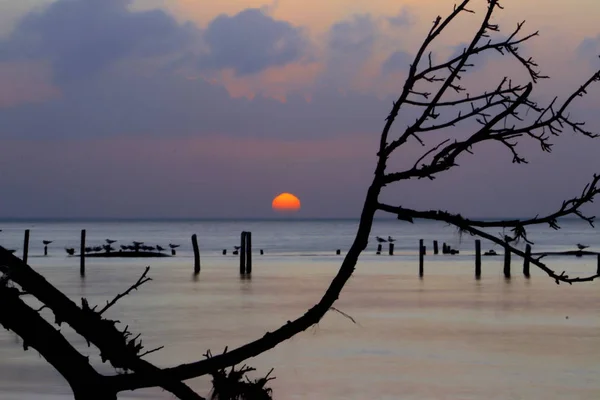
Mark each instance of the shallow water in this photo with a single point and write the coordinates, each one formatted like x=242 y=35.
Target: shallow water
x=444 y=337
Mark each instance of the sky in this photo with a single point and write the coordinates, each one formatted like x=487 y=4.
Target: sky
x=209 y=109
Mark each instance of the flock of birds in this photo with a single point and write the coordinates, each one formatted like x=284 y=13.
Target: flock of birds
x=107 y=248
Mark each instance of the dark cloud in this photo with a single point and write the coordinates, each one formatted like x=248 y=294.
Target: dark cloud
x=397 y=61
x=251 y=41
x=81 y=38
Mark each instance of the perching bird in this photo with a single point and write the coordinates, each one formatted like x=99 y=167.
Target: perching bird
x=46 y=242
x=109 y=241
x=108 y=248
x=137 y=244
x=70 y=251
x=581 y=246
x=237 y=247
x=159 y=248
x=391 y=239
x=123 y=247
x=380 y=239
x=174 y=246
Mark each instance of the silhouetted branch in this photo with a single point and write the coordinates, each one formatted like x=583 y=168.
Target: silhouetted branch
x=143 y=279
x=471 y=226
x=344 y=314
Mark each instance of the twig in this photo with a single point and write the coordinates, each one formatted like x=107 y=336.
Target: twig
x=143 y=279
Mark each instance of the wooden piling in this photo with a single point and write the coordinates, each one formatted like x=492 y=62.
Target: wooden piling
x=196 y=254
x=262 y=252
x=506 y=262
x=444 y=248
x=598 y=266
x=82 y=254
x=248 y=253
x=421 y=258
x=243 y=253
x=526 y=261
x=224 y=252
x=477 y=259
x=46 y=250
x=391 y=249
x=379 y=249
x=173 y=252
x=435 y=247
x=26 y=246
x=338 y=252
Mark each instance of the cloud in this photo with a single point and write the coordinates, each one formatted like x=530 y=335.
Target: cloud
x=251 y=41
x=82 y=38
x=590 y=49
x=397 y=61
x=404 y=18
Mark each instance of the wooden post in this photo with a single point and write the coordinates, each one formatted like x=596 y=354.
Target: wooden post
x=435 y=247
x=46 y=250
x=424 y=250
x=378 y=249
x=526 y=261
x=391 y=249
x=243 y=253
x=248 y=253
x=421 y=258
x=598 y=267
x=26 y=246
x=196 y=254
x=338 y=252
x=224 y=251
x=477 y=259
x=262 y=252
x=444 y=248
x=506 y=262
x=82 y=254
x=173 y=252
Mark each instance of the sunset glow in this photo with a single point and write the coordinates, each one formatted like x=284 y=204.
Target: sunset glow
x=286 y=202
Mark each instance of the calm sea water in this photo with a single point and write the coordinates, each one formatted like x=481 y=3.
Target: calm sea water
x=444 y=337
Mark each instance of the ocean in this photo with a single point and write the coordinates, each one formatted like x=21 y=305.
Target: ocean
x=446 y=336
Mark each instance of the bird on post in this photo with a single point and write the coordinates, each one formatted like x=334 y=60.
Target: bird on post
x=46 y=242
x=380 y=239
x=581 y=246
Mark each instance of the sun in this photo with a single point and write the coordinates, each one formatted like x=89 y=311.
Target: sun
x=286 y=202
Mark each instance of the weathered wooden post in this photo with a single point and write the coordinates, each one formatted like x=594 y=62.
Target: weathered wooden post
x=598 y=266
x=243 y=253
x=224 y=251
x=196 y=254
x=173 y=252
x=26 y=246
x=506 y=262
x=391 y=249
x=262 y=252
x=526 y=261
x=435 y=247
x=378 y=249
x=338 y=252
x=444 y=248
x=82 y=254
x=421 y=258
x=477 y=259
x=248 y=253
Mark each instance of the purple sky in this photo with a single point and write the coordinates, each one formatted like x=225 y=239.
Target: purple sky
x=113 y=108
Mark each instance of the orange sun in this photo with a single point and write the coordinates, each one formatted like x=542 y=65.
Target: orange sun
x=286 y=202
